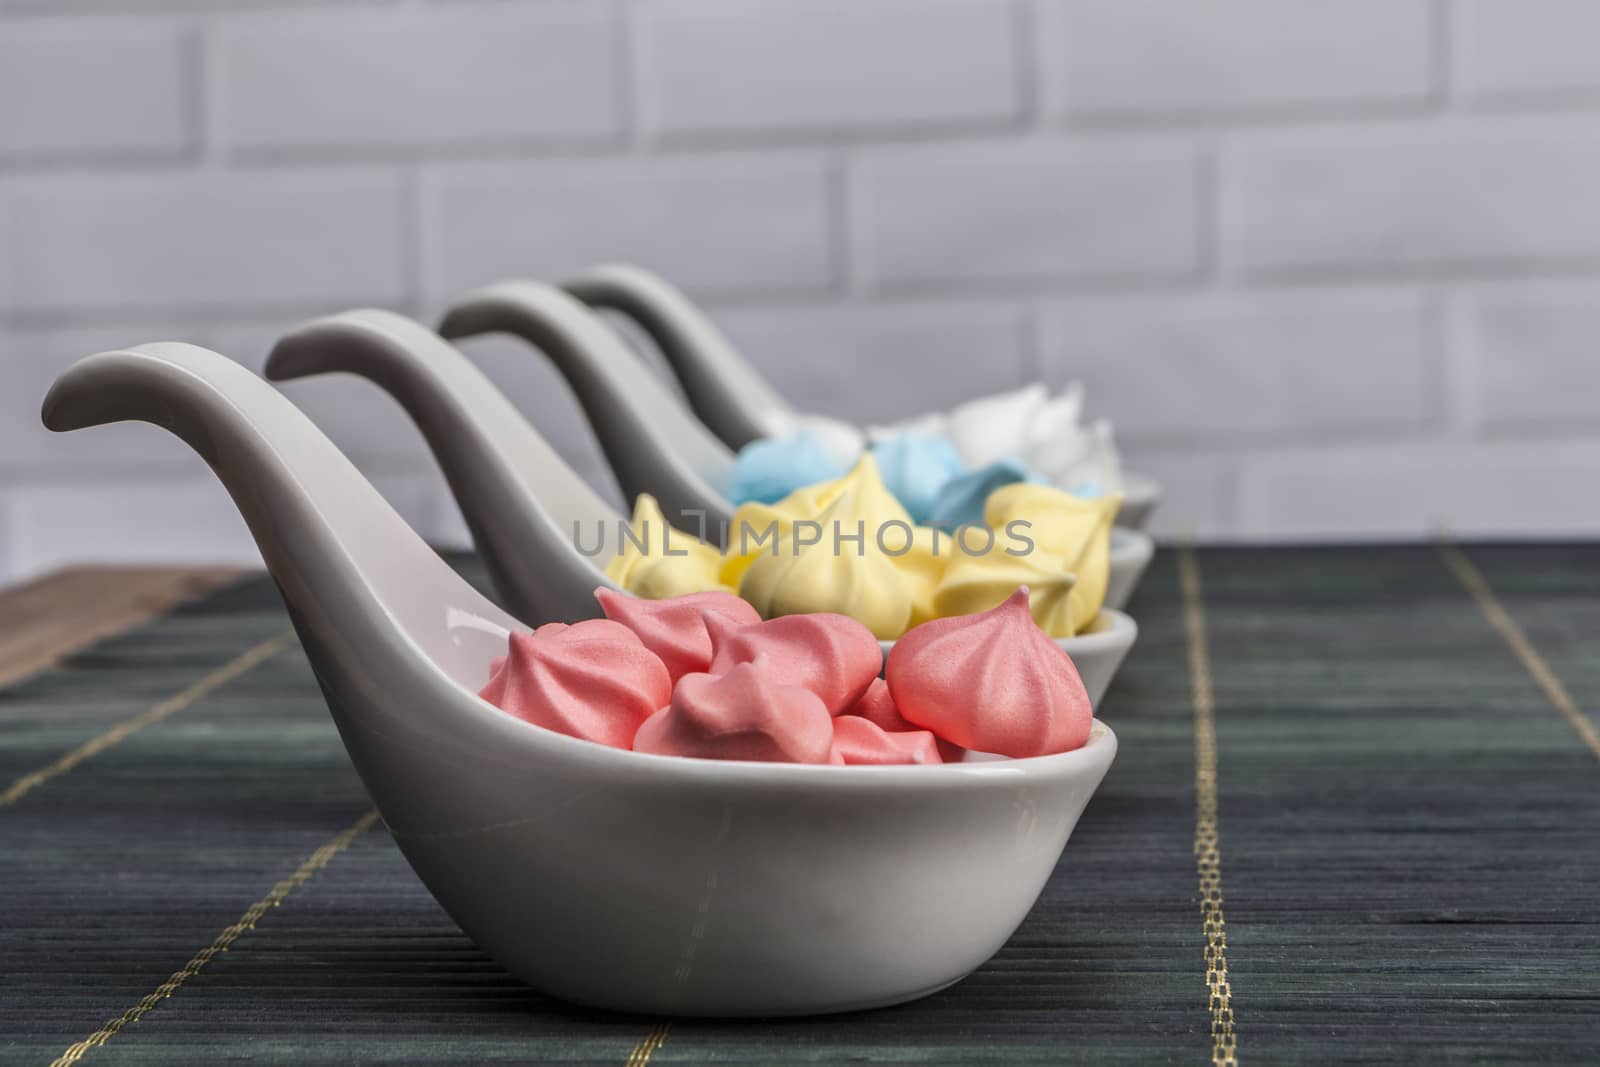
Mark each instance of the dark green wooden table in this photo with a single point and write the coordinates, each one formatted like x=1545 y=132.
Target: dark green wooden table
x=1355 y=817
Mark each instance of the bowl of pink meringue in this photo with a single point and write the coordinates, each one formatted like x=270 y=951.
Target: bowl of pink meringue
x=861 y=830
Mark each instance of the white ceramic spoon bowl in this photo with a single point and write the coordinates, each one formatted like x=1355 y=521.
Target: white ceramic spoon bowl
x=1140 y=495
x=702 y=887
x=631 y=882
x=1131 y=552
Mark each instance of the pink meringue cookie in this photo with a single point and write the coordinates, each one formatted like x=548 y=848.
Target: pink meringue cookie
x=992 y=682
x=675 y=628
x=858 y=741
x=594 y=680
x=745 y=714
x=834 y=656
x=877 y=707
x=586 y=630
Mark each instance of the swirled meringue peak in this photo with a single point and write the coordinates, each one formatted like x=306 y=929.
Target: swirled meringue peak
x=831 y=655
x=870 y=497
x=1059 y=419
x=836 y=567
x=756 y=529
x=858 y=741
x=594 y=680
x=1083 y=460
x=675 y=629
x=586 y=630
x=995 y=427
x=1076 y=531
x=744 y=714
x=992 y=682
x=978 y=583
x=669 y=563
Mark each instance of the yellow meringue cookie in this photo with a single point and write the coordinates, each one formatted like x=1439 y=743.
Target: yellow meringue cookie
x=750 y=532
x=671 y=562
x=754 y=529
x=873 y=500
x=922 y=565
x=978 y=583
x=1074 y=530
x=831 y=574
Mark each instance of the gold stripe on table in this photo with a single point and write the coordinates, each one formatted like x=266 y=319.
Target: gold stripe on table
x=241 y=663
x=225 y=940
x=1472 y=578
x=647 y=1047
x=1207 y=845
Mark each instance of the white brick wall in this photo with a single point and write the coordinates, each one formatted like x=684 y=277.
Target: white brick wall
x=857 y=360
x=1527 y=48
x=712 y=66
x=1533 y=356
x=53 y=79
x=133 y=242
x=1506 y=194
x=422 y=79
x=1334 y=268
x=1268 y=365
x=721 y=223
x=1157 y=59
x=1034 y=212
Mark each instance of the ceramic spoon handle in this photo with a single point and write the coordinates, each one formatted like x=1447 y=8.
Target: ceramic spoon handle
x=347 y=563
x=729 y=395
x=654 y=444
x=526 y=508
x=399 y=642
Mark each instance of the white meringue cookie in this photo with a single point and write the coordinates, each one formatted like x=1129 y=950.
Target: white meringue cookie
x=1058 y=418
x=993 y=428
x=1044 y=433
x=1086 y=464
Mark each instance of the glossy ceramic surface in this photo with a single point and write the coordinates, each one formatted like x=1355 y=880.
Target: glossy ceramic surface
x=639 y=883
x=1140 y=495
x=1131 y=552
x=653 y=443
x=730 y=396
x=520 y=499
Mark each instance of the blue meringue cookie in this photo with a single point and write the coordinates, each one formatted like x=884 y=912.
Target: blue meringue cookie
x=916 y=467
x=960 y=502
x=769 y=469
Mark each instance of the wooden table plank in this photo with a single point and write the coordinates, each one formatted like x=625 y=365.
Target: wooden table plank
x=49 y=618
